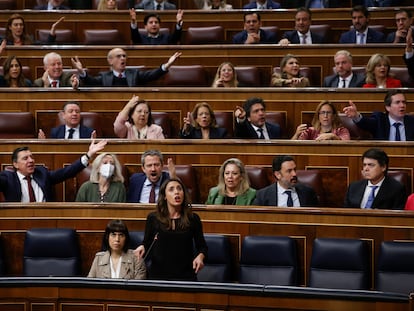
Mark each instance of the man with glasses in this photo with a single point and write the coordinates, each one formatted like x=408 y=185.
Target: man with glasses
x=119 y=75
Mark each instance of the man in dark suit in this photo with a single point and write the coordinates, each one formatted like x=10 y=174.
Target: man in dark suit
x=72 y=129
x=252 y=33
x=376 y=190
x=262 y=5
x=144 y=187
x=52 y=5
x=302 y=33
x=394 y=125
x=155 y=5
x=323 y=4
x=119 y=75
x=152 y=23
x=31 y=183
x=285 y=192
x=361 y=33
x=344 y=76
x=54 y=76
x=251 y=121
x=403 y=21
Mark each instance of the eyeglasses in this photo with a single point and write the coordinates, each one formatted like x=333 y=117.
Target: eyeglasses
x=328 y=113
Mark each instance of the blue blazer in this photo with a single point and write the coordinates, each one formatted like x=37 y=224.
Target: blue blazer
x=269 y=5
x=293 y=37
x=268 y=196
x=246 y=130
x=358 y=80
x=134 y=77
x=215 y=133
x=379 y=126
x=149 y=5
x=373 y=36
x=391 y=194
x=162 y=38
x=59 y=132
x=12 y=190
x=136 y=183
x=266 y=37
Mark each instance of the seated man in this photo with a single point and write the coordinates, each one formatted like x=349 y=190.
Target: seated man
x=344 y=76
x=252 y=32
x=155 y=5
x=54 y=76
x=361 y=33
x=251 y=121
x=403 y=21
x=262 y=5
x=119 y=75
x=302 y=33
x=152 y=23
x=72 y=129
x=144 y=187
x=31 y=183
x=285 y=192
x=52 y=5
x=376 y=189
x=394 y=125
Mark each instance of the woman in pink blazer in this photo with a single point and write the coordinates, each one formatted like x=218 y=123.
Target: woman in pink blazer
x=135 y=121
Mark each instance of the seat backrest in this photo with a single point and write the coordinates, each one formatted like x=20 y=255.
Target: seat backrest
x=88 y=118
x=313 y=179
x=279 y=118
x=248 y=76
x=191 y=75
x=217 y=266
x=162 y=119
x=354 y=130
x=8 y=4
x=187 y=174
x=403 y=177
x=395 y=269
x=401 y=73
x=225 y=120
x=274 y=29
x=51 y=252
x=303 y=71
x=323 y=30
x=340 y=264
x=17 y=125
x=269 y=260
x=204 y=35
x=2 y=261
x=62 y=35
x=258 y=176
x=102 y=36
x=135 y=239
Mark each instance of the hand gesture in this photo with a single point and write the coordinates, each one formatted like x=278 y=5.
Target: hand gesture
x=252 y=38
x=198 y=263
x=139 y=252
x=132 y=102
x=239 y=113
x=3 y=46
x=284 y=42
x=172 y=59
x=295 y=81
x=187 y=122
x=77 y=65
x=351 y=111
x=219 y=83
x=74 y=80
x=45 y=79
x=179 y=17
x=327 y=136
x=409 y=40
x=41 y=134
x=54 y=26
x=171 y=168
x=133 y=16
x=299 y=130
x=95 y=147
x=93 y=134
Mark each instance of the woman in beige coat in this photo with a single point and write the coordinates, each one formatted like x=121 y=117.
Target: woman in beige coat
x=117 y=261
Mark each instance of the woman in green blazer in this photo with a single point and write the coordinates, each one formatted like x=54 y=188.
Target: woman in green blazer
x=233 y=187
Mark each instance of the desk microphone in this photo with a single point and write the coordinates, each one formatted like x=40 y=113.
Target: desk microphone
x=152 y=244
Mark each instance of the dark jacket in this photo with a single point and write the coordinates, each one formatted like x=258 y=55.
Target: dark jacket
x=358 y=80
x=246 y=130
x=59 y=132
x=162 y=38
x=266 y=37
x=215 y=133
x=293 y=37
x=373 y=36
x=136 y=183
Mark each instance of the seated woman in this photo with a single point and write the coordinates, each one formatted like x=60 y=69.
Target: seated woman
x=107 y=5
x=290 y=76
x=13 y=73
x=326 y=125
x=106 y=183
x=217 y=5
x=378 y=73
x=226 y=76
x=233 y=187
x=16 y=32
x=135 y=121
x=116 y=261
x=201 y=123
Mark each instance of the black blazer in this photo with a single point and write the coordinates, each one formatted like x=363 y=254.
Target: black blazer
x=379 y=126
x=391 y=194
x=358 y=80
x=59 y=132
x=215 y=133
x=266 y=37
x=137 y=38
x=293 y=37
x=409 y=62
x=136 y=183
x=268 y=196
x=246 y=130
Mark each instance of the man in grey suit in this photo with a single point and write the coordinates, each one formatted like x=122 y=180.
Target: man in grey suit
x=119 y=75
x=344 y=76
x=285 y=192
x=155 y=5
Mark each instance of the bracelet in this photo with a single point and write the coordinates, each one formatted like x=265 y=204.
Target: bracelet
x=87 y=156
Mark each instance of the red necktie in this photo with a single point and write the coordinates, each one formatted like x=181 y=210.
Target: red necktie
x=53 y=83
x=152 y=194
x=30 y=189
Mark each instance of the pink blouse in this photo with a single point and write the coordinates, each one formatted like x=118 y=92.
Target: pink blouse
x=312 y=134
x=124 y=129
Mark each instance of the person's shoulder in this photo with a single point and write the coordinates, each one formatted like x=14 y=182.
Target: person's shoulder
x=271 y=187
x=251 y=191
x=100 y=253
x=213 y=190
x=138 y=176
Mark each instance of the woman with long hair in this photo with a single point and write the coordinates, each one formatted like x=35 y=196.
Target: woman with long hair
x=378 y=73
x=290 y=73
x=226 y=76
x=13 y=74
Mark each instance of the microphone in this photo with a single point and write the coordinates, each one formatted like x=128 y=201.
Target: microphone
x=150 y=248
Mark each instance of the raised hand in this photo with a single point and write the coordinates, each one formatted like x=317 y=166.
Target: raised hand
x=351 y=110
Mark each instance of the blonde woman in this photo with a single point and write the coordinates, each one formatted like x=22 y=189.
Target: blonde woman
x=226 y=76
x=107 y=5
x=378 y=73
x=289 y=76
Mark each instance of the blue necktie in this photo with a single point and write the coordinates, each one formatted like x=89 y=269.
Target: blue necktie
x=397 y=131
x=289 y=199
x=371 y=197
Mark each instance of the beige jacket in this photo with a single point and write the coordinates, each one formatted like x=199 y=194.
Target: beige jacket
x=131 y=268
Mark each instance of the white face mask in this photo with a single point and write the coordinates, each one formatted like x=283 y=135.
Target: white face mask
x=106 y=170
